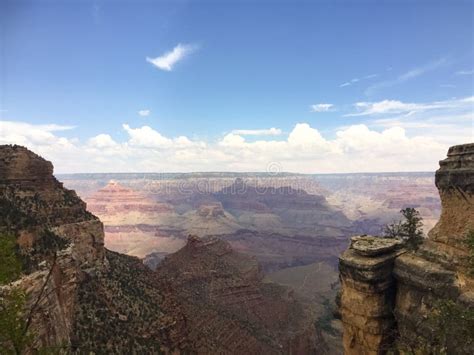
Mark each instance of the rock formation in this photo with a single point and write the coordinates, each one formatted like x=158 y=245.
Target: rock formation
x=419 y=300
x=228 y=307
x=134 y=224
x=368 y=294
x=57 y=239
x=83 y=298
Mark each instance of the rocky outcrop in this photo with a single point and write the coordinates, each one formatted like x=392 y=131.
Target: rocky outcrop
x=368 y=294
x=57 y=239
x=440 y=271
x=419 y=300
x=211 y=211
x=229 y=309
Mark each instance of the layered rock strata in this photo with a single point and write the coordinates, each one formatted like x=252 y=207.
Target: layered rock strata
x=230 y=310
x=441 y=270
x=368 y=294
x=419 y=300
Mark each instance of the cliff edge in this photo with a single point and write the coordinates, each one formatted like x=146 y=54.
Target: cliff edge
x=418 y=301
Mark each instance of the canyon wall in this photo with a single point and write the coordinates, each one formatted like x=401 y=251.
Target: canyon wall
x=418 y=301
x=57 y=239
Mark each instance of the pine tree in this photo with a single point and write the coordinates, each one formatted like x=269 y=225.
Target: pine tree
x=410 y=229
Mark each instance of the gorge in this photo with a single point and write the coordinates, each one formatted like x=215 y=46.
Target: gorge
x=81 y=297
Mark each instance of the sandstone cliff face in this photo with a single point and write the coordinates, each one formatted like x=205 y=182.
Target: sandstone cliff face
x=439 y=270
x=390 y=300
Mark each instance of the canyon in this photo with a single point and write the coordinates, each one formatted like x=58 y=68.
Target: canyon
x=82 y=297
x=212 y=256
x=283 y=219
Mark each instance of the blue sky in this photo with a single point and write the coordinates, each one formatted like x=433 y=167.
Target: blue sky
x=75 y=70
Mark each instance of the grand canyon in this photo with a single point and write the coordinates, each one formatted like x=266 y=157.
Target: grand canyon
x=231 y=263
x=296 y=225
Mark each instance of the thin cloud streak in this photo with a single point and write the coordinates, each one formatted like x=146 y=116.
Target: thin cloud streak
x=465 y=72
x=322 y=107
x=411 y=74
x=356 y=80
x=395 y=106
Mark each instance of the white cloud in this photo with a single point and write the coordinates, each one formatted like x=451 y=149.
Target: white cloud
x=395 y=106
x=393 y=145
x=21 y=132
x=144 y=113
x=356 y=80
x=167 y=61
x=411 y=74
x=465 y=72
x=146 y=137
x=321 y=107
x=102 y=141
x=258 y=132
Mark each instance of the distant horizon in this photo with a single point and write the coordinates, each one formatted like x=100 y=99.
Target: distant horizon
x=261 y=173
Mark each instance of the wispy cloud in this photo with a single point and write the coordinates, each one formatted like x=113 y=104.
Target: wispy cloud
x=465 y=72
x=258 y=132
x=356 y=80
x=411 y=74
x=167 y=61
x=144 y=113
x=449 y=86
x=398 y=107
x=321 y=107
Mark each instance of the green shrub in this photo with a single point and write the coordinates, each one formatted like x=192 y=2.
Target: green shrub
x=14 y=337
x=10 y=262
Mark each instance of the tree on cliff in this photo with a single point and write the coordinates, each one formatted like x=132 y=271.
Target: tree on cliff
x=12 y=300
x=409 y=229
x=15 y=334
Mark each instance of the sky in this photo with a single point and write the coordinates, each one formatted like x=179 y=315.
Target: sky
x=182 y=86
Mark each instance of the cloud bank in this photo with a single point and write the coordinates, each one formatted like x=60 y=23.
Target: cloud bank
x=356 y=148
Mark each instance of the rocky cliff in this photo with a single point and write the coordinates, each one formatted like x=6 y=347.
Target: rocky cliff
x=57 y=238
x=417 y=301
x=81 y=297
x=228 y=307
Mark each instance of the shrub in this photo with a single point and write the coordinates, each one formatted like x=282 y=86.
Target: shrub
x=10 y=263
x=410 y=229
